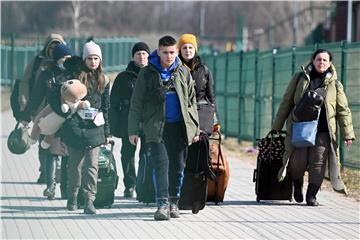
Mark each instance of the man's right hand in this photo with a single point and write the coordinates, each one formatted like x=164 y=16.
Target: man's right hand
x=133 y=139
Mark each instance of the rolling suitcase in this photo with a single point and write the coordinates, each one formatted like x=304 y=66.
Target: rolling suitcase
x=107 y=179
x=145 y=190
x=194 y=189
x=220 y=166
x=269 y=161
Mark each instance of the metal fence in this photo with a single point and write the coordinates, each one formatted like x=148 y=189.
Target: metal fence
x=249 y=87
x=14 y=57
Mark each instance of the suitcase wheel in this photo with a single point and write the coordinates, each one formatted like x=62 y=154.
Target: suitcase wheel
x=257 y=199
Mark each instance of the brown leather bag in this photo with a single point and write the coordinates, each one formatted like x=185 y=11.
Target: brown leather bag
x=220 y=166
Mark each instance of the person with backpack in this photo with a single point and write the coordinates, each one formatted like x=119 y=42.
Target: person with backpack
x=40 y=95
x=32 y=71
x=164 y=101
x=85 y=131
x=205 y=96
x=120 y=97
x=334 y=116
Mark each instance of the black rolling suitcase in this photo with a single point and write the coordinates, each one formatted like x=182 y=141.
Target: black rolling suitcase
x=107 y=179
x=194 y=189
x=269 y=161
x=145 y=191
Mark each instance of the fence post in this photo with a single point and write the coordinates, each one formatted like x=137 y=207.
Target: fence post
x=12 y=60
x=344 y=82
x=225 y=93
x=241 y=98
x=255 y=135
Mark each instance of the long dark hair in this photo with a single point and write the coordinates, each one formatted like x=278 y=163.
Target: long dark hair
x=193 y=63
x=87 y=74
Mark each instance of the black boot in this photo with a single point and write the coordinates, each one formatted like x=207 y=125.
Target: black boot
x=298 y=194
x=311 y=195
x=89 y=207
x=72 y=203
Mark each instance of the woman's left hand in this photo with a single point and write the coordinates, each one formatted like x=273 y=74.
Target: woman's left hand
x=348 y=142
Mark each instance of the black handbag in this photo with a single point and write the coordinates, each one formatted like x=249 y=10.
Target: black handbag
x=310 y=104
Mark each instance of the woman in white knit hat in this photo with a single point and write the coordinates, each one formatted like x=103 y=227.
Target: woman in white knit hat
x=87 y=130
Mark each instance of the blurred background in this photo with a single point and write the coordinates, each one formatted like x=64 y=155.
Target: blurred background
x=220 y=25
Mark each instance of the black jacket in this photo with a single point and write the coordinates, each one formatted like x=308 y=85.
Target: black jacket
x=84 y=134
x=120 y=100
x=204 y=84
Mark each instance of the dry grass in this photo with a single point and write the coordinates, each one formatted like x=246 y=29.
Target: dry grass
x=5 y=98
x=245 y=151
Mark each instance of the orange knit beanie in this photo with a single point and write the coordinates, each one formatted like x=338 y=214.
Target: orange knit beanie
x=187 y=38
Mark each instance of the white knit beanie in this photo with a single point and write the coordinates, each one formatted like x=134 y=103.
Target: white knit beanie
x=91 y=48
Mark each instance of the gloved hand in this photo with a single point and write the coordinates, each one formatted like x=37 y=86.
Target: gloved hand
x=216 y=127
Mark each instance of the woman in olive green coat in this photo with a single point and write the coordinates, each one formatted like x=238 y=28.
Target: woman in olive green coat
x=320 y=72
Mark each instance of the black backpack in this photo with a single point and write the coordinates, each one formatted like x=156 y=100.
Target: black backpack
x=14 y=97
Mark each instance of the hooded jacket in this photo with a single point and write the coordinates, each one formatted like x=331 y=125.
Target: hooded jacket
x=148 y=103
x=32 y=71
x=337 y=111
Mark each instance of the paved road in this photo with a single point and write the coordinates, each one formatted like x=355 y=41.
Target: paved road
x=26 y=214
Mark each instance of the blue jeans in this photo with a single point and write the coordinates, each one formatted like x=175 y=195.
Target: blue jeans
x=168 y=161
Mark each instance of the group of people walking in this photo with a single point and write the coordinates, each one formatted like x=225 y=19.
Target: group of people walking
x=159 y=101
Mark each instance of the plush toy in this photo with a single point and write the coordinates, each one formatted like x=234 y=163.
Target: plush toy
x=47 y=122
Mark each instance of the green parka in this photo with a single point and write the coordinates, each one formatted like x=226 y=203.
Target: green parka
x=148 y=104
x=337 y=110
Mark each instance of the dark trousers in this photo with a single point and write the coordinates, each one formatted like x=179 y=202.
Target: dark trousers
x=83 y=171
x=168 y=160
x=51 y=161
x=64 y=175
x=128 y=160
x=312 y=159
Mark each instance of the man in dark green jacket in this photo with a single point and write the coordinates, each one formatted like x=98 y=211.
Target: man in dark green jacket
x=164 y=102
x=120 y=97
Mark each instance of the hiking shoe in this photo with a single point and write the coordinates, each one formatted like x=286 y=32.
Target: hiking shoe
x=129 y=192
x=49 y=193
x=89 y=207
x=162 y=213
x=174 y=210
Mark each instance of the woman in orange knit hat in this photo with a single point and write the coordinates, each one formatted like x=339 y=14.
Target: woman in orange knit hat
x=205 y=97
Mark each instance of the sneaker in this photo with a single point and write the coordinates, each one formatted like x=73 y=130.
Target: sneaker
x=89 y=207
x=174 y=210
x=129 y=192
x=49 y=193
x=162 y=213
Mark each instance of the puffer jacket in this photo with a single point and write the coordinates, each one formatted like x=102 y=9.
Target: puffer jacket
x=337 y=110
x=147 y=105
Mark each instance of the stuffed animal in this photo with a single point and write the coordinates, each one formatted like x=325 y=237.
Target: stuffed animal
x=47 y=122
